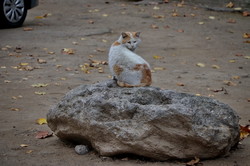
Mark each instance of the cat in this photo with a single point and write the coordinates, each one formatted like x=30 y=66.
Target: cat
x=128 y=68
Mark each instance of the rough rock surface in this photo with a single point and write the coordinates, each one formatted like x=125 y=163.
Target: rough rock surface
x=146 y=121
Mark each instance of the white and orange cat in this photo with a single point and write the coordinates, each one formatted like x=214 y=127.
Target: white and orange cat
x=128 y=68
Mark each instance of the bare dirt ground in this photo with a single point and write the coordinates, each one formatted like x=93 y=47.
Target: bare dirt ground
x=175 y=38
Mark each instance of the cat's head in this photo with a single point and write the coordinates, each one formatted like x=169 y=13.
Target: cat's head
x=130 y=40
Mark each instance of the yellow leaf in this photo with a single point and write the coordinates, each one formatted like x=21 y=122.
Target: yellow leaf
x=215 y=66
x=246 y=35
x=29 y=151
x=39 y=17
x=69 y=51
x=24 y=64
x=211 y=17
x=232 y=61
x=201 y=23
x=200 y=65
x=105 y=15
x=230 y=5
x=40 y=93
x=247 y=57
x=24 y=145
x=235 y=77
x=39 y=85
x=229 y=83
x=157 y=57
x=156 y=8
x=15 y=109
x=41 y=121
x=159 y=68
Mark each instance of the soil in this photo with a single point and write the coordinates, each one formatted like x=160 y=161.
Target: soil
x=189 y=48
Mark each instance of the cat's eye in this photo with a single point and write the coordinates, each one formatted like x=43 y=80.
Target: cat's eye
x=134 y=41
x=129 y=42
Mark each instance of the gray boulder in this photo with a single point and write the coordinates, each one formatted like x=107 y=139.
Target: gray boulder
x=145 y=121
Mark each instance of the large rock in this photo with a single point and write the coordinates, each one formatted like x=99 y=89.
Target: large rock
x=146 y=121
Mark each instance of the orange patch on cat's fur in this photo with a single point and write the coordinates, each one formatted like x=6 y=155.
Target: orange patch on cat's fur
x=117 y=69
x=126 y=37
x=146 y=74
x=116 y=43
x=135 y=34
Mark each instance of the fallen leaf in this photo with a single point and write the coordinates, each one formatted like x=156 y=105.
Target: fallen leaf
x=165 y=1
x=100 y=50
x=68 y=69
x=238 y=55
x=7 y=81
x=91 y=21
x=24 y=64
x=200 y=65
x=29 y=151
x=248 y=100
x=39 y=85
x=100 y=70
x=232 y=60
x=230 y=5
x=75 y=43
x=244 y=131
x=24 y=145
x=246 y=13
x=41 y=121
x=51 y=52
x=40 y=93
x=211 y=17
x=158 y=16
x=105 y=15
x=69 y=51
x=43 y=134
x=175 y=14
x=231 y=21
x=28 y=68
x=180 y=30
x=247 y=41
x=4 y=49
x=246 y=35
x=153 y=26
x=15 y=109
x=193 y=162
x=235 y=77
x=179 y=84
x=157 y=57
x=28 y=29
x=247 y=57
x=44 y=16
x=215 y=66
x=229 y=83
x=41 y=61
x=180 y=4
x=156 y=8
x=104 y=41
x=201 y=23
x=159 y=68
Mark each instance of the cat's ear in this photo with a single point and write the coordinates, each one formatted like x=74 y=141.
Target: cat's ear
x=137 y=34
x=124 y=35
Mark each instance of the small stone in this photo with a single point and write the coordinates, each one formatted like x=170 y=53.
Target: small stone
x=81 y=149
